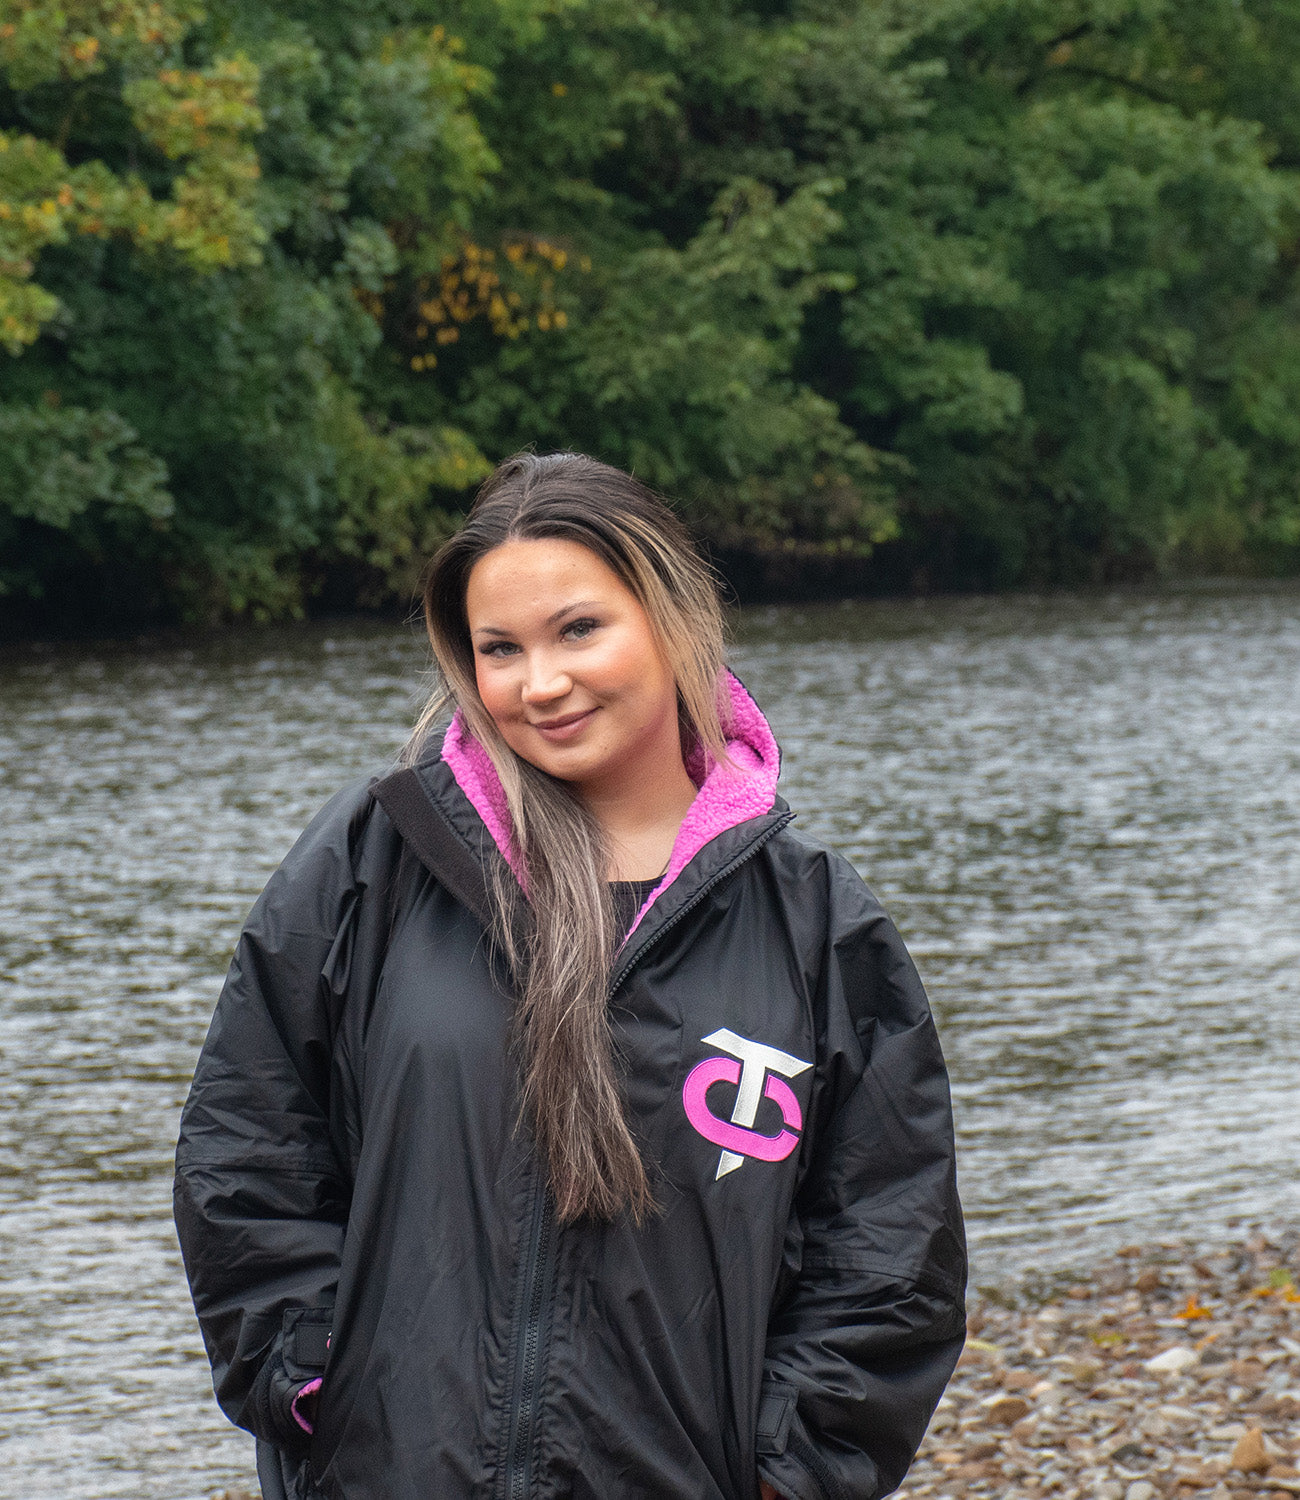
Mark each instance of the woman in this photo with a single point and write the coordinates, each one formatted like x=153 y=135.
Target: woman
x=570 y=1125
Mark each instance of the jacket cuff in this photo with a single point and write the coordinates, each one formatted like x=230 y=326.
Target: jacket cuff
x=787 y=1458
x=291 y=1370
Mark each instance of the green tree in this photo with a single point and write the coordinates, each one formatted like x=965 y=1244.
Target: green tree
x=1077 y=292
x=214 y=304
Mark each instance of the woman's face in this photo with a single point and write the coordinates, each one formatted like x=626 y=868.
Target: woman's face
x=568 y=665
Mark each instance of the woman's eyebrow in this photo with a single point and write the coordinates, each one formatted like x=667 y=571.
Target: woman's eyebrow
x=559 y=614
x=569 y=608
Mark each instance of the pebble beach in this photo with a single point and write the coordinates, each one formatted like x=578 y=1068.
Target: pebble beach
x=1164 y=1375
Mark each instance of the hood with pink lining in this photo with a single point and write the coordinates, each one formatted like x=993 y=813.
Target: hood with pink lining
x=728 y=794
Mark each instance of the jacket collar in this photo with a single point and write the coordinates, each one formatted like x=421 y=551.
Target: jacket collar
x=728 y=795
x=735 y=808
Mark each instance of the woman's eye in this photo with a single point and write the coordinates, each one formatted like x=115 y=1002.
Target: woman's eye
x=579 y=629
x=497 y=648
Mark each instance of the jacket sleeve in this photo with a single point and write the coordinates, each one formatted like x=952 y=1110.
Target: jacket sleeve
x=261 y=1194
x=866 y=1335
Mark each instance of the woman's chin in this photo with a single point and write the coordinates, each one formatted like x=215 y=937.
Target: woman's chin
x=566 y=763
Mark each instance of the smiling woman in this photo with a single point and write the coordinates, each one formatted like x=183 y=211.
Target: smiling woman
x=570 y=1128
x=583 y=691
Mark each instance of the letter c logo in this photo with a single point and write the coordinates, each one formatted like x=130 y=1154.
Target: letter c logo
x=736 y=1137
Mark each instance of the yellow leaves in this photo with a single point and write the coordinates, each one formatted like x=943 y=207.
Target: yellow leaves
x=201 y=118
x=478 y=283
x=1280 y=1284
x=24 y=307
x=559 y=90
x=72 y=39
x=1193 y=1310
x=187 y=112
x=1103 y=1338
x=553 y=255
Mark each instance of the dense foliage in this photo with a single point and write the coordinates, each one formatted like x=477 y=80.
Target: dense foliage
x=1005 y=290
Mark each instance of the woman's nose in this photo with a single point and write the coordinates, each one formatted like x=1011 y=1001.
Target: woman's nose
x=546 y=679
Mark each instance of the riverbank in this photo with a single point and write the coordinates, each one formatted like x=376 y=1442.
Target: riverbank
x=1164 y=1375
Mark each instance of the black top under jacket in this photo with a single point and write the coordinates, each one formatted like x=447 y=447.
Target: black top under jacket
x=356 y=1199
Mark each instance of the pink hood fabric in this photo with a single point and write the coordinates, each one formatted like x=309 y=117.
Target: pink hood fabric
x=728 y=794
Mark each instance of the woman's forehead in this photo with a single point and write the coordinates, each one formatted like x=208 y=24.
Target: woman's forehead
x=535 y=581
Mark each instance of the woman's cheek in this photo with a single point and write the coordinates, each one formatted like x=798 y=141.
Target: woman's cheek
x=493 y=691
x=634 y=668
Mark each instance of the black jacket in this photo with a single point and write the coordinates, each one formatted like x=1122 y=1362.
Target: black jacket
x=354 y=1195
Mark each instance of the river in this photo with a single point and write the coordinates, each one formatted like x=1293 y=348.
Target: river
x=1082 y=810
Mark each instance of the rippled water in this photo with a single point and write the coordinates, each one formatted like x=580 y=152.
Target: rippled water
x=1084 y=813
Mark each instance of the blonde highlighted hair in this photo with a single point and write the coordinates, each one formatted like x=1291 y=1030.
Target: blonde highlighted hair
x=571 y=1095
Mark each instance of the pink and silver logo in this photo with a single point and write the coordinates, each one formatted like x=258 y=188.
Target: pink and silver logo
x=760 y=1072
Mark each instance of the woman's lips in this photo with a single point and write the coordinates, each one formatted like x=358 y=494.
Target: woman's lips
x=567 y=727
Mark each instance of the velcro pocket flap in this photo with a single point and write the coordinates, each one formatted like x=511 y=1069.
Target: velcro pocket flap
x=775 y=1413
x=306 y=1339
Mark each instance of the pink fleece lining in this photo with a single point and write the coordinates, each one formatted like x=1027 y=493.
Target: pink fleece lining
x=728 y=794
x=477 y=777
x=309 y=1389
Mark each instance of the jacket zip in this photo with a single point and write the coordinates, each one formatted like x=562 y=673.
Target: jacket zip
x=532 y=1328
x=532 y=1321
x=732 y=865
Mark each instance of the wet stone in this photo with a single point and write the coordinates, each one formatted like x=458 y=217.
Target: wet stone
x=1251 y=1455
x=1005 y=1411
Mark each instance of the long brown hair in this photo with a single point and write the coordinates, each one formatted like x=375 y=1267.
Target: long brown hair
x=571 y=1093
